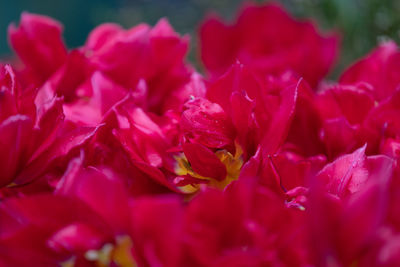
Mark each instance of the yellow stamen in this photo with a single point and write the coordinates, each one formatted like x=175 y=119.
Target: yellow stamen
x=11 y=185
x=122 y=255
x=232 y=163
x=119 y=254
x=68 y=263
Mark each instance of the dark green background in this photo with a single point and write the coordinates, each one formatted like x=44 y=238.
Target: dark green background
x=363 y=23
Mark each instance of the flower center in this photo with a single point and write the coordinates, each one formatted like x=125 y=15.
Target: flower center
x=233 y=165
x=118 y=254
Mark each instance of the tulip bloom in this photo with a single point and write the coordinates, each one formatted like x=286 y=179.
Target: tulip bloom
x=118 y=153
x=269 y=41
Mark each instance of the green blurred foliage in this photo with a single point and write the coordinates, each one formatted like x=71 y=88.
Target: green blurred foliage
x=362 y=23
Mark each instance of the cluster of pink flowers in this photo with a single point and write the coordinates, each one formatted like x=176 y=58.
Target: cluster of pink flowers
x=119 y=153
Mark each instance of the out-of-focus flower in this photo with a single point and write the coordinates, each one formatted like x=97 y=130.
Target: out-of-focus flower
x=269 y=41
x=243 y=235
x=146 y=60
x=380 y=69
x=80 y=225
x=33 y=132
x=348 y=231
x=153 y=54
x=39 y=45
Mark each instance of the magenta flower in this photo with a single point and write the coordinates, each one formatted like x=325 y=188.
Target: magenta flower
x=269 y=41
x=118 y=153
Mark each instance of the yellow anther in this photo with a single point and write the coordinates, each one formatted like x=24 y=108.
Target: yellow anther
x=119 y=254
x=233 y=165
x=122 y=254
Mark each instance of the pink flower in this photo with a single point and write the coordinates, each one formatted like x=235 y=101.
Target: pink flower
x=246 y=225
x=118 y=153
x=39 y=45
x=349 y=174
x=380 y=69
x=344 y=128
x=90 y=219
x=348 y=230
x=33 y=132
x=269 y=41
x=127 y=60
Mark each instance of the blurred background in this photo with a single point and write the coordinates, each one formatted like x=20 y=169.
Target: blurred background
x=363 y=23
